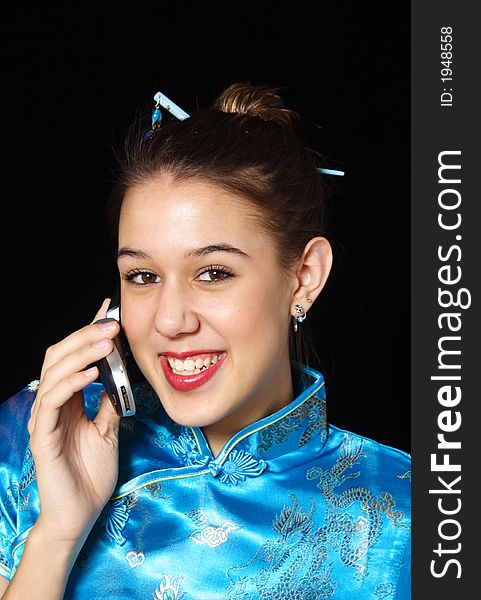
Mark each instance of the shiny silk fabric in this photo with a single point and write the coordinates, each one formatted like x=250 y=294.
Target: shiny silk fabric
x=292 y=508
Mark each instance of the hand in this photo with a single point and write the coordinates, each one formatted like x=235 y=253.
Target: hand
x=76 y=460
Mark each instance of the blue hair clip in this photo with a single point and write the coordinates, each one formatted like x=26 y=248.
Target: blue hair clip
x=331 y=172
x=162 y=100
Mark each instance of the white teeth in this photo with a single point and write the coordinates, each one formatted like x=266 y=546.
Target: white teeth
x=191 y=366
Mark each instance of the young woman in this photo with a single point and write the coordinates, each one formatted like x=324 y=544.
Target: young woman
x=228 y=482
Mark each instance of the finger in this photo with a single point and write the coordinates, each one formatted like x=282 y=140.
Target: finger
x=70 y=364
x=89 y=375
x=81 y=337
x=58 y=351
x=78 y=360
x=68 y=348
x=102 y=311
x=107 y=420
x=49 y=404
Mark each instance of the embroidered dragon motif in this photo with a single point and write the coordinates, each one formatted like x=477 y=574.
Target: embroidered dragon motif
x=353 y=536
x=292 y=566
x=299 y=562
x=313 y=410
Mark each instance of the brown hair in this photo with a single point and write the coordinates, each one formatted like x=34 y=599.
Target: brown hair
x=247 y=143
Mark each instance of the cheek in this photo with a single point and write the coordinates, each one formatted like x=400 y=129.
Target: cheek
x=240 y=309
x=256 y=315
x=135 y=321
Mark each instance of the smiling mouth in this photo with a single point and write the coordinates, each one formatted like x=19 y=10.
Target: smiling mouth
x=194 y=364
x=187 y=372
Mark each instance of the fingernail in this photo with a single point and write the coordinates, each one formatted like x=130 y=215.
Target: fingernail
x=100 y=344
x=90 y=372
x=106 y=324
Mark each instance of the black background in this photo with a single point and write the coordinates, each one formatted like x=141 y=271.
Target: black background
x=73 y=78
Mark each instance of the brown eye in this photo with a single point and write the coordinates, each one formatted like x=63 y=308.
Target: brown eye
x=148 y=277
x=214 y=275
x=143 y=277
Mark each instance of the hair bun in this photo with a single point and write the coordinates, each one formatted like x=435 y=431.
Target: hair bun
x=256 y=101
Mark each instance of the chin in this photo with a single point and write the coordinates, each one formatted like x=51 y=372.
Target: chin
x=193 y=418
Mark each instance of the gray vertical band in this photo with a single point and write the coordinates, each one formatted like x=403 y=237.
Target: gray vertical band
x=446 y=257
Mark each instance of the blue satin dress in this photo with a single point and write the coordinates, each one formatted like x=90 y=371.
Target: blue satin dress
x=292 y=508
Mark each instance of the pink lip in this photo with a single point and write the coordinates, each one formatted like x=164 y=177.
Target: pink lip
x=185 y=383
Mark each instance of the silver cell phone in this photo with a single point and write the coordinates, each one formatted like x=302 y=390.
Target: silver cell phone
x=113 y=368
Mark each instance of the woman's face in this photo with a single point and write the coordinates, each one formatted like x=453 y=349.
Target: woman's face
x=205 y=304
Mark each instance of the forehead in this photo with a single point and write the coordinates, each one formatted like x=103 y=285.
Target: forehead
x=188 y=213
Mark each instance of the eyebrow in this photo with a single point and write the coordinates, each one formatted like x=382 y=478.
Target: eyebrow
x=194 y=253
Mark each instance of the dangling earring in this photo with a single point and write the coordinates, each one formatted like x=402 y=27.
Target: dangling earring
x=299 y=316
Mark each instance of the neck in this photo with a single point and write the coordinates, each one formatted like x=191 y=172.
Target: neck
x=279 y=394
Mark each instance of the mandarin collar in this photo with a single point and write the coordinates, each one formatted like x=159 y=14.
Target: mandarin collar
x=302 y=421
x=154 y=449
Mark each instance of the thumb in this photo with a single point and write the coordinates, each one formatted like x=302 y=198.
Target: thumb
x=107 y=420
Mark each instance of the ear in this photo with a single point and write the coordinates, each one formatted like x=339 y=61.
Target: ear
x=312 y=272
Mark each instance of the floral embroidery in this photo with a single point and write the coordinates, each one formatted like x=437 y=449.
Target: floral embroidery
x=186 y=449
x=383 y=590
x=169 y=588
x=135 y=559
x=33 y=385
x=211 y=535
x=214 y=536
x=178 y=438
x=237 y=467
x=161 y=440
x=406 y=475
x=115 y=515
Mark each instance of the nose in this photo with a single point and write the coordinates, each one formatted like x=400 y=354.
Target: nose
x=175 y=314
